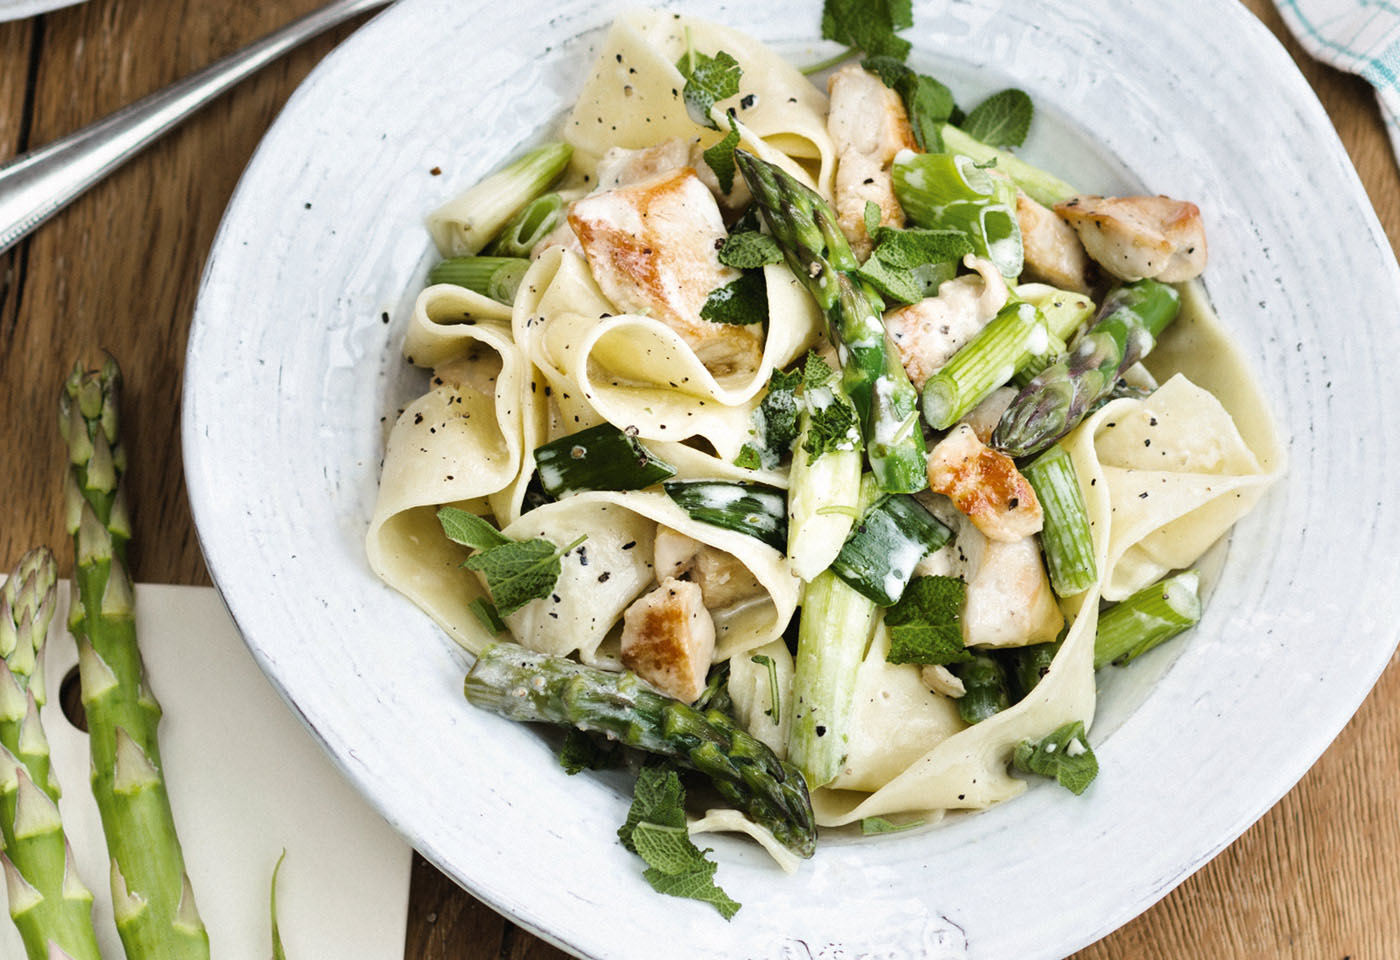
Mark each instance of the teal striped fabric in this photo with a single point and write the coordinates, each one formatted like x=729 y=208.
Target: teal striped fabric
x=1358 y=36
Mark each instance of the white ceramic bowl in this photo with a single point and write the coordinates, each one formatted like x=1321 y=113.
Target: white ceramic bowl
x=292 y=373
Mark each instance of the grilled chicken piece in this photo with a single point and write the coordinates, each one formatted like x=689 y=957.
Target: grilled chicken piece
x=985 y=485
x=668 y=639
x=1009 y=600
x=621 y=167
x=1053 y=253
x=652 y=248
x=868 y=127
x=929 y=332
x=1136 y=237
x=723 y=580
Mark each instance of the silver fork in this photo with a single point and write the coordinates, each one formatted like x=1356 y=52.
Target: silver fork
x=38 y=184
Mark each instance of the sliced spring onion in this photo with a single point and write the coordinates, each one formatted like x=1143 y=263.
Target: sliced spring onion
x=494 y=277
x=599 y=458
x=1149 y=617
x=879 y=556
x=751 y=508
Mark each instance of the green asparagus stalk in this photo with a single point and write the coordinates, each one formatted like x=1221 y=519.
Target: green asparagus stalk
x=1015 y=336
x=49 y=904
x=985 y=682
x=1052 y=404
x=1066 y=538
x=1027 y=666
x=1043 y=187
x=528 y=227
x=152 y=899
x=805 y=226
x=495 y=277
x=531 y=687
x=945 y=191
x=1149 y=617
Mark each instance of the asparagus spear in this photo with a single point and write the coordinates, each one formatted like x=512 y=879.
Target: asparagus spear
x=522 y=685
x=1052 y=404
x=805 y=226
x=987 y=692
x=1067 y=538
x=48 y=902
x=1149 y=617
x=152 y=899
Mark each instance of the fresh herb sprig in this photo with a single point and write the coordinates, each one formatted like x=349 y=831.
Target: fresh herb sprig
x=925 y=625
x=655 y=831
x=1063 y=756
x=516 y=571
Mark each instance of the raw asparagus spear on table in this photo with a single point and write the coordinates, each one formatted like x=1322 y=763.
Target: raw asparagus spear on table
x=51 y=907
x=525 y=686
x=152 y=898
x=806 y=229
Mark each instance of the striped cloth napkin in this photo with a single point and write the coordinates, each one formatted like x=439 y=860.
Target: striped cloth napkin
x=1358 y=36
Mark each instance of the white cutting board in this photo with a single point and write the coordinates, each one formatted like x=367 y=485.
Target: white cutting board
x=246 y=780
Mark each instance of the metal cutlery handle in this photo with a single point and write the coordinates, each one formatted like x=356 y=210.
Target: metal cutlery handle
x=38 y=184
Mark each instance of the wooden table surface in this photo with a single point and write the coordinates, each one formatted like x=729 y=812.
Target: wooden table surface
x=1317 y=877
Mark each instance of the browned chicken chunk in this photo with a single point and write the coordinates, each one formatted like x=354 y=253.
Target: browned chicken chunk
x=1136 y=237
x=652 y=249
x=984 y=485
x=668 y=639
x=1053 y=253
x=868 y=127
x=929 y=332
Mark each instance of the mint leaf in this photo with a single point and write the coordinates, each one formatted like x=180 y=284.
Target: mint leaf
x=708 y=80
x=469 y=530
x=892 y=283
x=915 y=247
x=750 y=250
x=655 y=831
x=748 y=458
x=925 y=624
x=1002 y=120
x=928 y=102
x=934 y=644
x=519 y=571
x=720 y=158
x=871 y=826
x=816 y=372
x=869 y=25
x=775 y=419
x=1063 y=756
x=657 y=798
x=485 y=611
x=834 y=426
x=739 y=302
x=872 y=217
x=581 y=752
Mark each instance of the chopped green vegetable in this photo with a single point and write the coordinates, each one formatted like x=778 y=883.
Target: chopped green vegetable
x=879 y=556
x=869 y=25
x=1002 y=120
x=751 y=508
x=528 y=227
x=763 y=660
x=495 y=277
x=739 y=302
x=873 y=826
x=987 y=693
x=599 y=458
x=580 y=752
x=1152 y=616
x=708 y=80
x=749 y=250
x=1064 y=756
x=925 y=625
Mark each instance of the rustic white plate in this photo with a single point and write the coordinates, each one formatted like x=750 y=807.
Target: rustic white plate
x=293 y=369
x=18 y=9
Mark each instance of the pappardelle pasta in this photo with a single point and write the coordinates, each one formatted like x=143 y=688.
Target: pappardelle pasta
x=808 y=441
